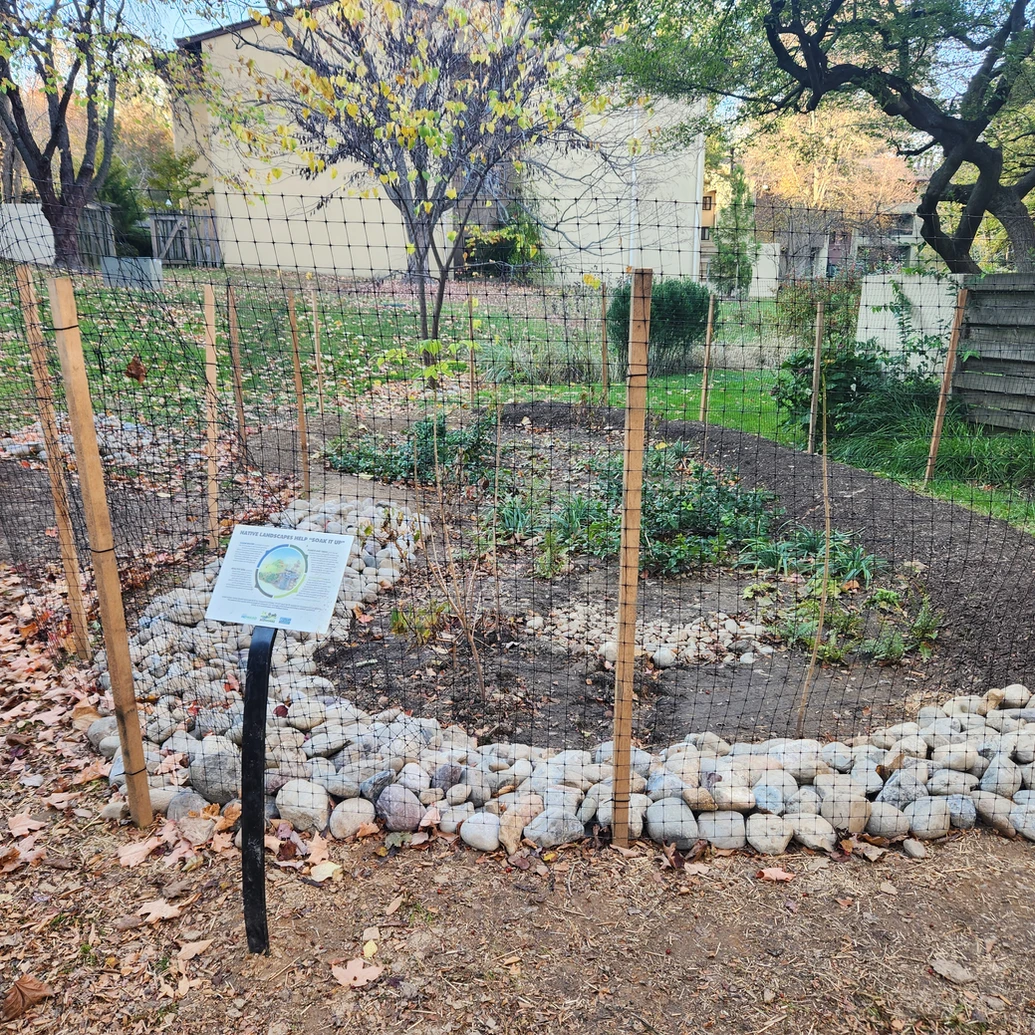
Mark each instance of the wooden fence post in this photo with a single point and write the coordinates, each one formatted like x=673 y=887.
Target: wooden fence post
x=605 y=359
x=629 y=554
x=316 y=352
x=211 y=417
x=708 y=331
x=817 y=365
x=303 y=432
x=102 y=545
x=235 y=363
x=55 y=464
x=946 y=389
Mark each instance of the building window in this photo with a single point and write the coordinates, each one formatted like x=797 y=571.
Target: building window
x=706 y=233
x=708 y=202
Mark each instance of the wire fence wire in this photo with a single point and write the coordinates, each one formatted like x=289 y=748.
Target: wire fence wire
x=814 y=596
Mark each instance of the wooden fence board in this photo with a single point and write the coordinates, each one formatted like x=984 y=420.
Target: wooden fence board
x=995 y=373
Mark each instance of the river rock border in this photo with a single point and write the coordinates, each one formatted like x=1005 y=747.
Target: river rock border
x=332 y=766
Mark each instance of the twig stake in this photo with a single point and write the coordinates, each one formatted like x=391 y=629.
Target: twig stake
x=817 y=364
x=235 y=362
x=605 y=359
x=946 y=389
x=55 y=462
x=303 y=432
x=211 y=417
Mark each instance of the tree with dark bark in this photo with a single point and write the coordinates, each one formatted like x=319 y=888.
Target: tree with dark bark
x=434 y=102
x=76 y=53
x=945 y=74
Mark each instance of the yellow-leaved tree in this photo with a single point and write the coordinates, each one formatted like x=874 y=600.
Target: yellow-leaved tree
x=433 y=98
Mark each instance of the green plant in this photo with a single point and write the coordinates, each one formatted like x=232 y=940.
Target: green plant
x=797 y=304
x=431 y=450
x=552 y=557
x=800 y=550
x=758 y=590
x=886 y=599
x=923 y=629
x=888 y=647
x=516 y=516
x=678 y=318
x=736 y=242
x=419 y=622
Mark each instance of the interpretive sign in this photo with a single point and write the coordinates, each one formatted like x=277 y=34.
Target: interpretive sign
x=280 y=578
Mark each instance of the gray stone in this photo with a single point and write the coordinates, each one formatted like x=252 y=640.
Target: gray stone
x=914 y=849
x=929 y=818
x=769 y=835
x=769 y=798
x=184 y=803
x=161 y=798
x=447 y=775
x=457 y=794
x=400 y=808
x=413 y=778
x=215 y=771
x=1022 y=817
x=960 y=757
x=723 y=829
x=887 y=821
x=670 y=821
x=451 y=818
x=349 y=816
x=962 y=811
x=555 y=827
x=482 y=831
x=735 y=796
x=1016 y=695
x=304 y=804
x=1002 y=777
x=813 y=831
x=638 y=805
x=337 y=785
x=804 y=801
x=902 y=788
x=995 y=811
x=949 y=781
x=109 y=746
x=372 y=787
x=481 y=783
x=663 y=784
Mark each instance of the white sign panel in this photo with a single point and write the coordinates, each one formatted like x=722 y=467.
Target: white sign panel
x=280 y=578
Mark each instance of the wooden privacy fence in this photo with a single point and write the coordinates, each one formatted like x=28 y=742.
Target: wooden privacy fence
x=185 y=238
x=995 y=369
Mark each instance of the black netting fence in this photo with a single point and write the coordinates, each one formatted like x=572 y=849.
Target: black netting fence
x=818 y=595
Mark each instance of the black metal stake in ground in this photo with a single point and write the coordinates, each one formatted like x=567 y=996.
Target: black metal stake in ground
x=253 y=790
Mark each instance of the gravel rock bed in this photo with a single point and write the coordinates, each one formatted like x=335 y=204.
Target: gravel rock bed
x=332 y=766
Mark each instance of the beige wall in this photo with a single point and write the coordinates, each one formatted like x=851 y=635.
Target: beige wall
x=933 y=307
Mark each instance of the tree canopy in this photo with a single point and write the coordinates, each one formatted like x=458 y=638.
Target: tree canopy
x=949 y=77
x=434 y=100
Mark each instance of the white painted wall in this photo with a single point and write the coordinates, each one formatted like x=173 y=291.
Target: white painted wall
x=25 y=235
x=765 y=277
x=933 y=305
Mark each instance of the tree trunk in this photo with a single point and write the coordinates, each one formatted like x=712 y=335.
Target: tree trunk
x=64 y=223
x=1011 y=211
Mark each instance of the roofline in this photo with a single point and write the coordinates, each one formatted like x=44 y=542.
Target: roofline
x=226 y=30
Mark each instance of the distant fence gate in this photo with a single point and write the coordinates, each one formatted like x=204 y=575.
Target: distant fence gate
x=185 y=238
x=995 y=372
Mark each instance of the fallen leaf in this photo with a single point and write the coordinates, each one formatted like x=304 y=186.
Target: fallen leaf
x=192 y=949
x=844 y=903
x=696 y=869
x=134 y=854
x=888 y=889
x=953 y=972
x=324 y=871
x=25 y=993
x=370 y=949
x=136 y=371
x=158 y=909
x=318 y=850
x=23 y=824
x=393 y=906
x=356 y=973
x=627 y=853
x=774 y=873
x=368 y=829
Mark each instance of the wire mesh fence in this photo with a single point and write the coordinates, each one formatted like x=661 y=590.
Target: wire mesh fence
x=818 y=592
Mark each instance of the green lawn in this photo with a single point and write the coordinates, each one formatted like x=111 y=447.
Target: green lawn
x=535 y=344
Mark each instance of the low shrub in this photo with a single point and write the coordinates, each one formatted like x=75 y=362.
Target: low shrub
x=465 y=454
x=678 y=319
